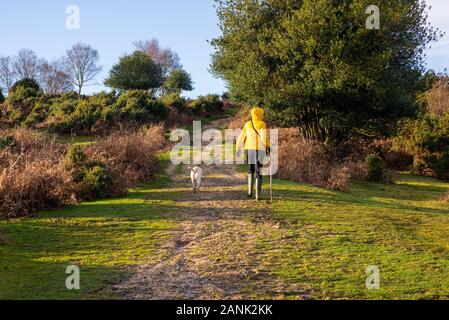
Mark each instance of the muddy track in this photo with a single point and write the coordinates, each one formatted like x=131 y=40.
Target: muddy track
x=216 y=252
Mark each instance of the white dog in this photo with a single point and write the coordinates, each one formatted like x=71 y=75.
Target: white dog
x=196 y=174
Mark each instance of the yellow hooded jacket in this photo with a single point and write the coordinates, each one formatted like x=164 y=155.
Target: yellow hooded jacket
x=250 y=138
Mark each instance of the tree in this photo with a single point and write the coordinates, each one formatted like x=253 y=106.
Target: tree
x=315 y=65
x=178 y=80
x=438 y=97
x=135 y=72
x=165 y=57
x=81 y=65
x=53 y=79
x=2 y=97
x=7 y=75
x=26 y=65
x=26 y=83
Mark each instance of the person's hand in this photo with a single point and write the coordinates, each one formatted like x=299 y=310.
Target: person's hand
x=239 y=153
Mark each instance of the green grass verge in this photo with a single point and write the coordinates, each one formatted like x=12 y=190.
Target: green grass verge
x=330 y=238
x=103 y=238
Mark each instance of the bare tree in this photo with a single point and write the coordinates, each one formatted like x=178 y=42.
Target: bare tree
x=438 y=97
x=27 y=65
x=7 y=75
x=53 y=79
x=81 y=65
x=165 y=57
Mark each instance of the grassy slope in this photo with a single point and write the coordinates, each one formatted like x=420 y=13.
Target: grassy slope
x=100 y=237
x=334 y=237
x=327 y=240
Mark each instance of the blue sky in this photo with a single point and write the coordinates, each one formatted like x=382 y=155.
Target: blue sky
x=111 y=26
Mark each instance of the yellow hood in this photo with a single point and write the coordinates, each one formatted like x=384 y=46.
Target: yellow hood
x=257 y=114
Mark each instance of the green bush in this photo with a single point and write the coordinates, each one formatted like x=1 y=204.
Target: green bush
x=21 y=101
x=93 y=177
x=97 y=182
x=40 y=111
x=173 y=100
x=137 y=106
x=427 y=140
x=207 y=105
x=376 y=168
x=26 y=83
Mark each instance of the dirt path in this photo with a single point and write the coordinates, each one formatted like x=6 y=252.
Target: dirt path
x=216 y=253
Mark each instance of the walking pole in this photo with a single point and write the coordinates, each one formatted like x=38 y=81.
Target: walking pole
x=271 y=183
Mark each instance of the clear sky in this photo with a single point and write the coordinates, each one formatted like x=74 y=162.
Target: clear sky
x=111 y=26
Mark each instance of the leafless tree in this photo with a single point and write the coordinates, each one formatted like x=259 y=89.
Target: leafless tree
x=438 y=97
x=7 y=75
x=27 y=65
x=53 y=79
x=81 y=65
x=165 y=57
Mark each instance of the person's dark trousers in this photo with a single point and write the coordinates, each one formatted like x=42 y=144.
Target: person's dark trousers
x=255 y=159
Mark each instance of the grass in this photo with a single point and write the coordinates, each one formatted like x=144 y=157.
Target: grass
x=330 y=239
x=325 y=242
x=103 y=238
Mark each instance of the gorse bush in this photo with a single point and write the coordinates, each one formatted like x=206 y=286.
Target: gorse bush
x=136 y=106
x=173 y=100
x=70 y=113
x=37 y=173
x=376 y=168
x=92 y=178
x=427 y=140
x=97 y=182
x=207 y=105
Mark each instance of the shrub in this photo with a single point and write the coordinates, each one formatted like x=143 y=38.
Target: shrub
x=178 y=118
x=308 y=161
x=173 y=100
x=32 y=175
x=136 y=106
x=93 y=178
x=207 y=105
x=394 y=158
x=427 y=140
x=376 y=168
x=96 y=183
x=26 y=83
x=81 y=120
x=130 y=156
x=20 y=102
x=37 y=173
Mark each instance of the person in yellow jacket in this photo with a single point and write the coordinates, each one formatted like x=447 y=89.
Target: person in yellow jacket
x=256 y=143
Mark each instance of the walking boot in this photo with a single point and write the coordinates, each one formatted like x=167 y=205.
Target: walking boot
x=250 y=185
x=259 y=188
